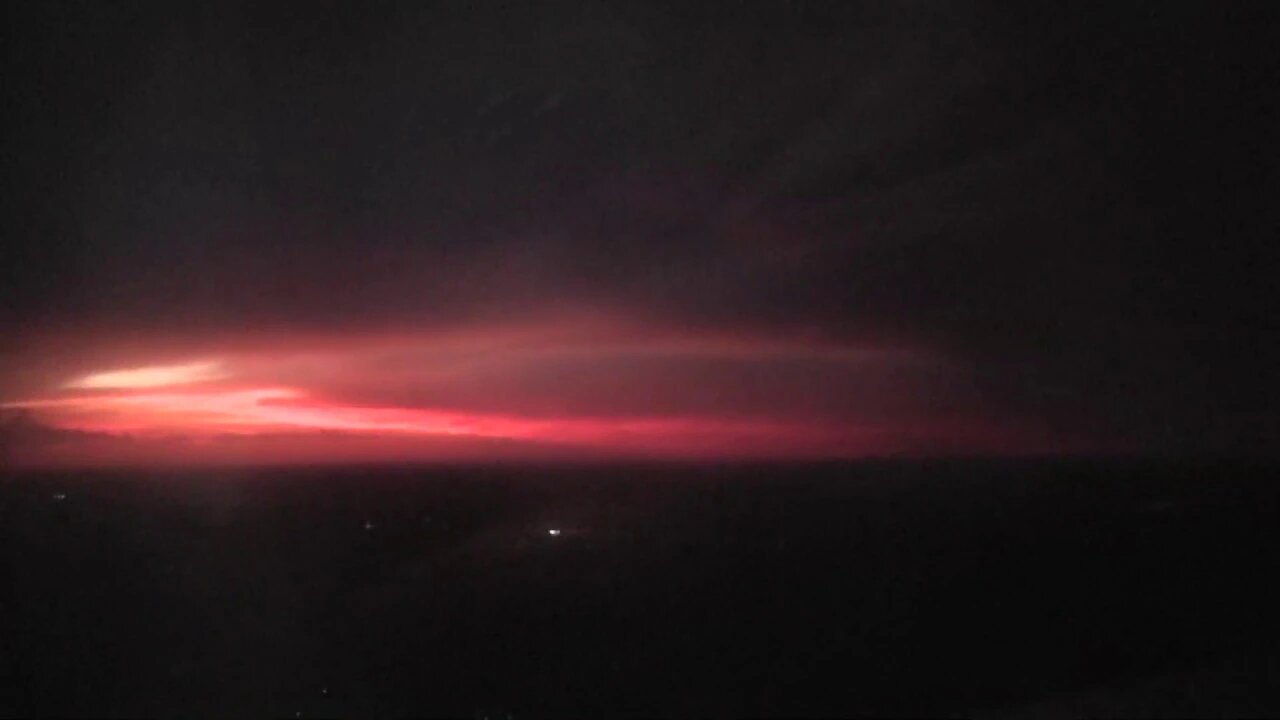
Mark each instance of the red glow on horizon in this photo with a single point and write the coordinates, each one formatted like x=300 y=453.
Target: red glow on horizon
x=259 y=411
x=522 y=392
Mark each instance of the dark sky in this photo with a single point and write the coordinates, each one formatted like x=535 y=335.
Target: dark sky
x=1073 y=205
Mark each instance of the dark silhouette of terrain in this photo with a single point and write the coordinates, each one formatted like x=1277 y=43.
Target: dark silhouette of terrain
x=1069 y=587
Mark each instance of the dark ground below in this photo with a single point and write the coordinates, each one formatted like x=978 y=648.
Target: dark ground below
x=1083 y=587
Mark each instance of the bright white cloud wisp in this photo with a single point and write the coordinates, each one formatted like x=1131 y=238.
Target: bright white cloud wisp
x=150 y=377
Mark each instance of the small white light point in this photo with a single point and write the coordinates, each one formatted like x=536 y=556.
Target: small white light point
x=368 y=525
x=553 y=531
x=59 y=497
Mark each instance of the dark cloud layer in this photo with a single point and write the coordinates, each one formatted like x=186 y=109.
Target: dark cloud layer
x=1075 y=203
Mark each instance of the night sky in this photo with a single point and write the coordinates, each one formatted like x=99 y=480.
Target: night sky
x=333 y=232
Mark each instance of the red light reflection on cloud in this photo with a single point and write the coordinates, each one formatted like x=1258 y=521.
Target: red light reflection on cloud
x=568 y=390
x=266 y=412
x=275 y=410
